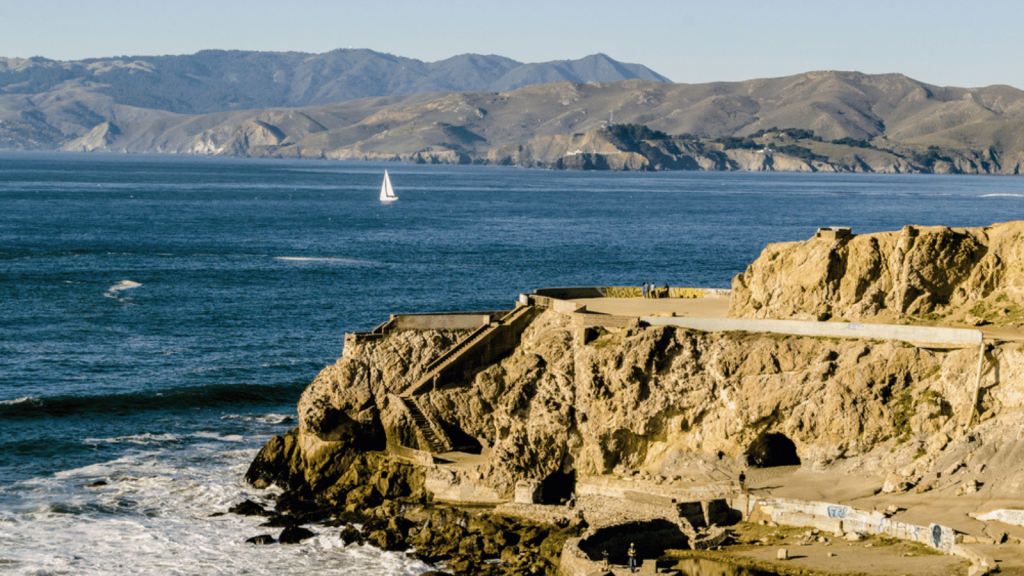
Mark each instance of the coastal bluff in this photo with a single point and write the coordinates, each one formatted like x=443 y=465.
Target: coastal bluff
x=642 y=422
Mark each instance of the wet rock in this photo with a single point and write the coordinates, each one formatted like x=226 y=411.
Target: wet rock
x=262 y=539
x=351 y=535
x=249 y=508
x=386 y=540
x=295 y=535
x=282 y=521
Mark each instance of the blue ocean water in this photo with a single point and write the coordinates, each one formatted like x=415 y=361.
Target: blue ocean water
x=161 y=315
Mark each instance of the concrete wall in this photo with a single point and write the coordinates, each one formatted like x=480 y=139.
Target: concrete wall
x=604 y=320
x=447 y=321
x=915 y=334
x=572 y=293
x=839 y=518
x=459 y=486
x=418 y=457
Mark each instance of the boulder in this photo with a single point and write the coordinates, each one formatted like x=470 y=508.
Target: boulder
x=295 y=535
x=262 y=540
x=248 y=508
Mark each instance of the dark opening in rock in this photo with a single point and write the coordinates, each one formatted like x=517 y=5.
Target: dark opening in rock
x=650 y=537
x=772 y=450
x=557 y=487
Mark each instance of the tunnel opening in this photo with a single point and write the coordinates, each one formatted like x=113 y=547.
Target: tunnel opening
x=770 y=450
x=558 y=487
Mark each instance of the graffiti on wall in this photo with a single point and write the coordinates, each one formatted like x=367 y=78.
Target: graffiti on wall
x=941 y=537
x=900 y=530
x=659 y=292
x=837 y=511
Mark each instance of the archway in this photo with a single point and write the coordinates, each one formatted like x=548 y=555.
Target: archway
x=770 y=450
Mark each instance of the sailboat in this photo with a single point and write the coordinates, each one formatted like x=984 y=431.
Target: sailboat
x=387 y=193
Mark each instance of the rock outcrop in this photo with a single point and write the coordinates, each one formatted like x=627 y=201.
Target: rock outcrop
x=651 y=398
x=669 y=402
x=928 y=272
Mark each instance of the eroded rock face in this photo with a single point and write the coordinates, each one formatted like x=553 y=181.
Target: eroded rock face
x=649 y=398
x=938 y=271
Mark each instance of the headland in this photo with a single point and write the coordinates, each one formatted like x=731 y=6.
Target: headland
x=868 y=387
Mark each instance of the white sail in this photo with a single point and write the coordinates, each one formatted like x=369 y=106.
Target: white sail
x=387 y=193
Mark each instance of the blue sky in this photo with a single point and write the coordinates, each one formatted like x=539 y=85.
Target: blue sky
x=940 y=42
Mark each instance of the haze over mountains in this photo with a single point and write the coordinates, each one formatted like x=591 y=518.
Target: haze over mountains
x=358 y=104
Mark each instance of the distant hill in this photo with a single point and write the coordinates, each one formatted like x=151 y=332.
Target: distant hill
x=220 y=81
x=816 y=121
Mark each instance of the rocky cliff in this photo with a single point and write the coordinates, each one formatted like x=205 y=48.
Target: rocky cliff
x=658 y=399
x=956 y=275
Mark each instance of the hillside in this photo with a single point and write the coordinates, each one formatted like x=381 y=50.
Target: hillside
x=44 y=103
x=817 y=121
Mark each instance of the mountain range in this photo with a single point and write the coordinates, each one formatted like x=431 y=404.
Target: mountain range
x=597 y=113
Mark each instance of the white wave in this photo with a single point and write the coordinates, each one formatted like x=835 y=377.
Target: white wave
x=265 y=418
x=121 y=286
x=142 y=439
x=153 y=517
x=310 y=259
x=22 y=400
x=1001 y=195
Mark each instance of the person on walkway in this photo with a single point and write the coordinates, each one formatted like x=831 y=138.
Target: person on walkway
x=743 y=483
x=632 y=557
x=643 y=290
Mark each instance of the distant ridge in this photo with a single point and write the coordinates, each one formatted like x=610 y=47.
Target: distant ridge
x=811 y=122
x=225 y=80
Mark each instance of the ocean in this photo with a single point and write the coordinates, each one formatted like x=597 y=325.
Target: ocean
x=161 y=315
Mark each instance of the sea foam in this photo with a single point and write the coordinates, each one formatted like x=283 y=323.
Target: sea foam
x=121 y=286
x=149 y=512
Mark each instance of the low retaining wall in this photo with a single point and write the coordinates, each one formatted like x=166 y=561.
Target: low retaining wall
x=604 y=321
x=459 y=486
x=573 y=293
x=418 y=457
x=838 y=518
x=925 y=335
x=446 y=321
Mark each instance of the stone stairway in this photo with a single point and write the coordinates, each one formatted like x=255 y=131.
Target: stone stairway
x=456 y=355
x=429 y=432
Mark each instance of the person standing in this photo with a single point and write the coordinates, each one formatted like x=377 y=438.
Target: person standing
x=743 y=483
x=643 y=290
x=632 y=557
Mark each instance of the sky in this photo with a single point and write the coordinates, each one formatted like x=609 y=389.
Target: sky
x=940 y=42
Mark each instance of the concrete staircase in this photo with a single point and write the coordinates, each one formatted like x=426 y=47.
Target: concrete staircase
x=481 y=346
x=429 y=431
x=484 y=345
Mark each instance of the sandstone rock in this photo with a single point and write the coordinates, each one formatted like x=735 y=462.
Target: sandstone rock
x=919 y=270
x=782 y=554
x=854 y=536
x=895 y=483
